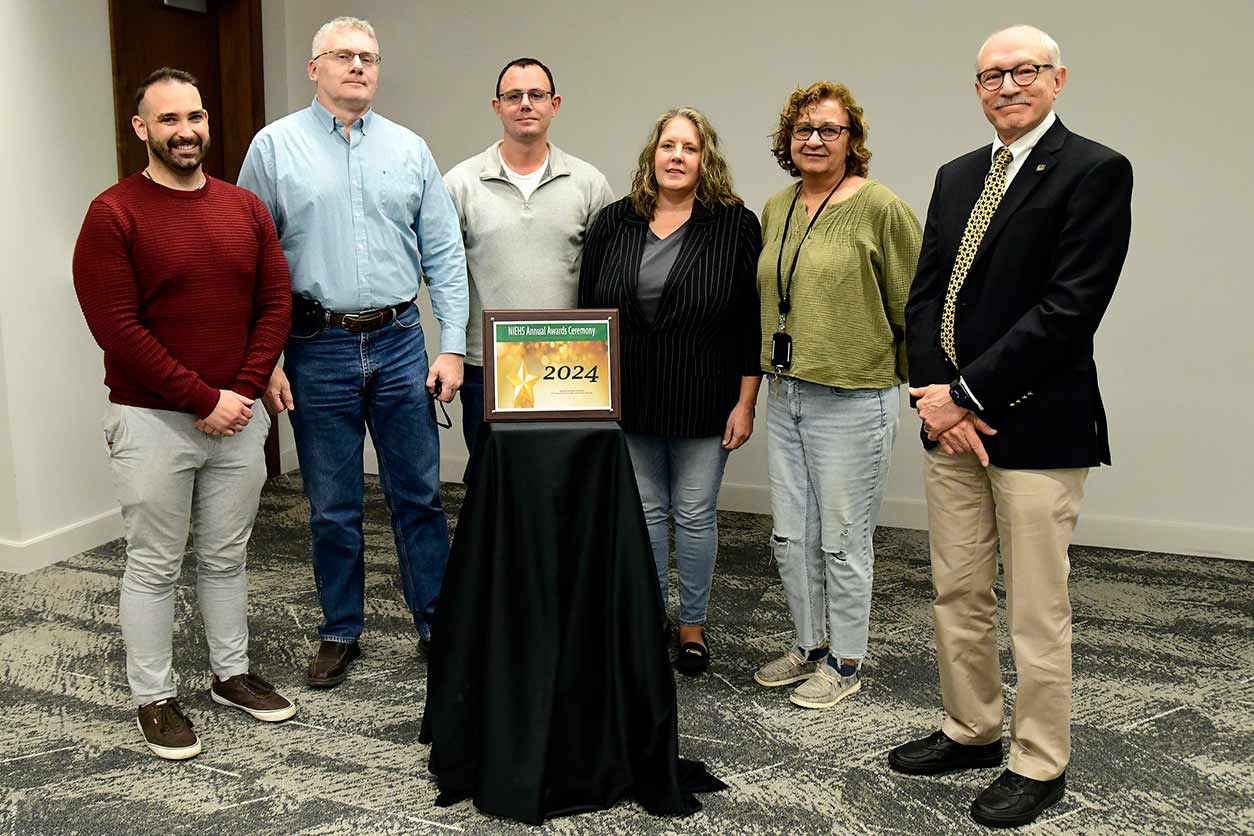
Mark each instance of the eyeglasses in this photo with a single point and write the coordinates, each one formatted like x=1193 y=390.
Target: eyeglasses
x=515 y=97
x=1023 y=76
x=346 y=56
x=827 y=133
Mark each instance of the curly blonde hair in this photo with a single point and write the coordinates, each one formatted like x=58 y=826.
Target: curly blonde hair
x=857 y=161
x=714 y=182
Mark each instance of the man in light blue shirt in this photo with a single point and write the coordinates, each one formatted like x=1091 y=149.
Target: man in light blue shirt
x=363 y=215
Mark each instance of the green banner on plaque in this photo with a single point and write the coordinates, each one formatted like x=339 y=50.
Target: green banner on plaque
x=514 y=332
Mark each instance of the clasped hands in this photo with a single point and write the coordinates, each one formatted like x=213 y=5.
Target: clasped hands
x=230 y=416
x=957 y=430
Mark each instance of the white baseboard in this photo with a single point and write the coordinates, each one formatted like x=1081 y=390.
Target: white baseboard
x=37 y=552
x=1114 y=532
x=452 y=468
x=288 y=460
x=1102 y=530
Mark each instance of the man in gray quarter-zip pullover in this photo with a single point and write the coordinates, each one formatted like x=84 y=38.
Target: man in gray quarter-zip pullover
x=524 y=207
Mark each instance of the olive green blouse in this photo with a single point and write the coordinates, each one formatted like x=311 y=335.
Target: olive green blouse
x=847 y=318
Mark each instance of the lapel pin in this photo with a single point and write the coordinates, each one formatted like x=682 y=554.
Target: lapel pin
x=1041 y=167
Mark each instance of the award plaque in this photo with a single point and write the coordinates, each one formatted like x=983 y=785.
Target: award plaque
x=554 y=365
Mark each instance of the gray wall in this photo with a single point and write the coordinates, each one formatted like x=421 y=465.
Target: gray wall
x=1164 y=88
x=56 y=495
x=1159 y=85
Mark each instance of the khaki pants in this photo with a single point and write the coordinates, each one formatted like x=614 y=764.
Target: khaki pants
x=1033 y=514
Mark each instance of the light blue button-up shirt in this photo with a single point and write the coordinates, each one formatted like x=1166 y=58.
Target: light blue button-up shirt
x=363 y=219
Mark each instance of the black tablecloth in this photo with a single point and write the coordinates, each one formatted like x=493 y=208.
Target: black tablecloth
x=549 y=689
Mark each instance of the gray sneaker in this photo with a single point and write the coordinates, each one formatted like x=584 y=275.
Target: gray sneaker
x=785 y=670
x=826 y=688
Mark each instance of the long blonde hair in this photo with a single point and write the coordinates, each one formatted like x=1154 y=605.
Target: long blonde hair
x=714 y=182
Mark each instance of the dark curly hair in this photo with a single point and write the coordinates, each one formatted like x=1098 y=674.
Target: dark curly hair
x=858 y=161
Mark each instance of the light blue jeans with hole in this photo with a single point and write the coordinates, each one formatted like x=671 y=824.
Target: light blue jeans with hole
x=828 y=452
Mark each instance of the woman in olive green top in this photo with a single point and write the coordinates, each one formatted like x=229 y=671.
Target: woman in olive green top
x=839 y=252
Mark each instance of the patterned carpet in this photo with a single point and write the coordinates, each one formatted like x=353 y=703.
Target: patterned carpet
x=1164 y=703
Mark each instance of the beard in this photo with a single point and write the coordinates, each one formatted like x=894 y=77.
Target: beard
x=165 y=152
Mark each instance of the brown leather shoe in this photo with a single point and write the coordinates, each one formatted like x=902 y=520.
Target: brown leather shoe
x=329 y=665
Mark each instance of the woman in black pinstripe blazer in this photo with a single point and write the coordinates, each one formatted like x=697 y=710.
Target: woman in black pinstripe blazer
x=678 y=258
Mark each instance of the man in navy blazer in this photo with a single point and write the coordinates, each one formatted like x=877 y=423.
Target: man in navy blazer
x=1022 y=249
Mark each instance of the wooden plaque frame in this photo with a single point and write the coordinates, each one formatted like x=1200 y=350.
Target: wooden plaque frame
x=493 y=318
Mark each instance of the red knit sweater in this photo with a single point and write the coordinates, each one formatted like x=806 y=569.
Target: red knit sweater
x=186 y=292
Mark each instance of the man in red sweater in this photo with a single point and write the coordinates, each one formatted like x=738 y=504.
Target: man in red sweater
x=184 y=285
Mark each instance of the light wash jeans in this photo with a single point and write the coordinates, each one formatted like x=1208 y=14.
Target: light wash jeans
x=173 y=479
x=681 y=477
x=828 y=453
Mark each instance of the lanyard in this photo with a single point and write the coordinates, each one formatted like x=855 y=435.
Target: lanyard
x=785 y=291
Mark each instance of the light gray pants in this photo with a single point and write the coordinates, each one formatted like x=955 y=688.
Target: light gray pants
x=173 y=479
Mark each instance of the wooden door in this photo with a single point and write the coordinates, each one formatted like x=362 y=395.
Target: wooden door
x=217 y=41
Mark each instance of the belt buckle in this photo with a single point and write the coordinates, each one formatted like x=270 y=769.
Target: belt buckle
x=362 y=321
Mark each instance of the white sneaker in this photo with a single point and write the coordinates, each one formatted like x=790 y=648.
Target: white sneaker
x=826 y=688
x=785 y=670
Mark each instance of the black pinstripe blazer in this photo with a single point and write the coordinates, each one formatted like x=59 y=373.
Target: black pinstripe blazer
x=681 y=372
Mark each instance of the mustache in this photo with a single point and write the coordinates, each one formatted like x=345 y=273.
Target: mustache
x=1003 y=101
x=183 y=143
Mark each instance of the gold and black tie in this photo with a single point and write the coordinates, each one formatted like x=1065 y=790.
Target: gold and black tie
x=977 y=224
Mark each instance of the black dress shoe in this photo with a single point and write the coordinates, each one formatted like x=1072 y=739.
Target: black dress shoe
x=936 y=754
x=1013 y=799
x=330 y=664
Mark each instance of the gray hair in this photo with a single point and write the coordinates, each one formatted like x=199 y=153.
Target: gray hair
x=1053 y=55
x=341 y=23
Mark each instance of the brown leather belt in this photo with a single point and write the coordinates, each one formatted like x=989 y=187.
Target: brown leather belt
x=362 y=322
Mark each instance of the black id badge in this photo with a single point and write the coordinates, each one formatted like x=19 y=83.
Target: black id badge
x=781 y=350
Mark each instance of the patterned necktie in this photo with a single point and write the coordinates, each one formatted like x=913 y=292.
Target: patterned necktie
x=977 y=224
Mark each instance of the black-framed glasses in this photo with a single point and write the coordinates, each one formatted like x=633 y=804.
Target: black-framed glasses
x=515 y=97
x=827 y=133
x=346 y=56
x=1022 y=75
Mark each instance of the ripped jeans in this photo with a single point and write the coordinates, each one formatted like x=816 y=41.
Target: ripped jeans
x=828 y=453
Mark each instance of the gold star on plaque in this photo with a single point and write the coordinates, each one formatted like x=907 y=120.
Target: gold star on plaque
x=524 y=387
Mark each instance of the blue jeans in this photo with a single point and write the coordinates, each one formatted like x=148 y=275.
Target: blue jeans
x=681 y=476
x=472 y=414
x=828 y=452
x=345 y=384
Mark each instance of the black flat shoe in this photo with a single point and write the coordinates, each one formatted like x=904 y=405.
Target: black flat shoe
x=936 y=754
x=1014 y=800
x=693 y=658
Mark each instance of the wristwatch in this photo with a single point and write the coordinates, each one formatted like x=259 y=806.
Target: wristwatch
x=958 y=394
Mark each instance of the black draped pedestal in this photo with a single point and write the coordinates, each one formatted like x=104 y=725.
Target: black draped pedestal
x=549 y=689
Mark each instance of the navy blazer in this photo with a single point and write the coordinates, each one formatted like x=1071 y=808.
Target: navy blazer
x=681 y=372
x=1041 y=280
